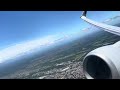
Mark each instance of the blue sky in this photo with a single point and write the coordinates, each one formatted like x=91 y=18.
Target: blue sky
x=23 y=32
x=22 y=26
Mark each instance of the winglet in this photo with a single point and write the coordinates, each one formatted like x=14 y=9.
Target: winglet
x=84 y=13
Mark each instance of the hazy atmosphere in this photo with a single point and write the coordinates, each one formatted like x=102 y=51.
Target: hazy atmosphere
x=31 y=34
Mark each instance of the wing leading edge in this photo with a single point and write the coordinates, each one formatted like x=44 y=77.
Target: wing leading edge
x=105 y=27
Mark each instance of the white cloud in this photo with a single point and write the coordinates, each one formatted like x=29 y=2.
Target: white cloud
x=25 y=47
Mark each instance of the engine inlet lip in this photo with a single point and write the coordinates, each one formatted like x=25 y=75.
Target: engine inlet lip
x=112 y=67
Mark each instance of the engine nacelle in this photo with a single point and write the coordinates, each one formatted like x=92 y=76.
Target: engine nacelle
x=103 y=63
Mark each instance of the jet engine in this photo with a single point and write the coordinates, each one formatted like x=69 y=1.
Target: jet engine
x=103 y=63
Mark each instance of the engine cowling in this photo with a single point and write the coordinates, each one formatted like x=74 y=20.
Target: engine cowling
x=103 y=63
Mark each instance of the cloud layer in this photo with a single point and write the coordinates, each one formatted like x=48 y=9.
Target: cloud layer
x=26 y=47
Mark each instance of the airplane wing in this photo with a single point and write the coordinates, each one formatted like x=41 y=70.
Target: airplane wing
x=105 y=27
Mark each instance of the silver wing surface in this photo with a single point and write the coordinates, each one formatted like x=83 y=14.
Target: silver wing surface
x=105 y=27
